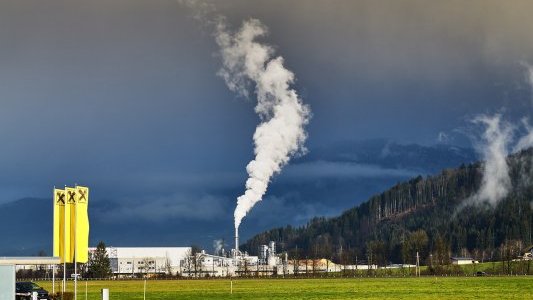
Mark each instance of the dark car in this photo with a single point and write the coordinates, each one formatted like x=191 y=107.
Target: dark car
x=480 y=273
x=24 y=291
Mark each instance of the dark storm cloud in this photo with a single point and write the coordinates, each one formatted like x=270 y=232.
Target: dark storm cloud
x=122 y=95
x=396 y=63
x=111 y=94
x=436 y=40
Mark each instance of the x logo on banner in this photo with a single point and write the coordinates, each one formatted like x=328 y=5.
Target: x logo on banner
x=71 y=197
x=60 y=198
x=82 y=194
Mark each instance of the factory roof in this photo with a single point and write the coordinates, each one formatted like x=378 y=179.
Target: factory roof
x=174 y=254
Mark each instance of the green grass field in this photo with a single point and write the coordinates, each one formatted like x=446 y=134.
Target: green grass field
x=514 y=287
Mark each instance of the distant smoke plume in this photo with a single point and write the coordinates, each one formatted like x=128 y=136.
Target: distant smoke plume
x=493 y=147
x=525 y=141
x=204 y=12
x=443 y=138
x=217 y=246
x=496 y=139
x=248 y=63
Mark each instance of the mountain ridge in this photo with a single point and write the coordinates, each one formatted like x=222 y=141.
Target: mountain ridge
x=27 y=222
x=388 y=219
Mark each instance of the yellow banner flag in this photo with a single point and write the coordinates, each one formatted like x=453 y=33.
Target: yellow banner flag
x=70 y=219
x=59 y=216
x=82 y=224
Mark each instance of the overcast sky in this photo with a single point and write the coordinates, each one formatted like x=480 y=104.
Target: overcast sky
x=123 y=96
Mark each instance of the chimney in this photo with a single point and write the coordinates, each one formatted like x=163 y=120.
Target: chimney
x=236 y=241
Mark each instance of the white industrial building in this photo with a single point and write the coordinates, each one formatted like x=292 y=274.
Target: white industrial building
x=267 y=263
x=131 y=261
x=238 y=264
x=152 y=261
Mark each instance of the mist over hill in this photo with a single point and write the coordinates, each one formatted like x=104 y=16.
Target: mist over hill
x=324 y=182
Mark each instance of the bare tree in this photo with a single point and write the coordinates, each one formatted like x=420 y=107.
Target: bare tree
x=296 y=262
x=192 y=262
x=187 y=264
x=168 y=266
x=146 y=265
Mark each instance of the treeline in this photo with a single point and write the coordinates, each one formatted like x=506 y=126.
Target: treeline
x=425 y=215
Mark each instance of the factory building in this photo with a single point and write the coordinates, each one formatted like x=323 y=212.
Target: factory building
x=266 y=263
x=267 y=255
x=207 y=265
x=149 y=261
x=238 y=263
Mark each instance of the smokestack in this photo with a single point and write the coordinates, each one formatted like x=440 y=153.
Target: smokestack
x=236 y=241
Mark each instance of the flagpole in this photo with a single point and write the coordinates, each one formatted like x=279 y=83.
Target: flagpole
x=64 y=244
x=75 y=246
x=53 y=238
x=53 y=279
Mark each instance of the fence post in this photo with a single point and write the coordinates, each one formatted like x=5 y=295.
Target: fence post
x=105 y=294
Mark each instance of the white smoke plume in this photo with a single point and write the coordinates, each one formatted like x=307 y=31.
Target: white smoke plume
x=496 y=182
x=525 y=141
x=249 y=64
x=218 y=245
x=203 y=11
x=281 y=134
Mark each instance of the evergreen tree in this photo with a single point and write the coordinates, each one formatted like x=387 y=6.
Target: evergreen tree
x=428 y=215
x=99 y=264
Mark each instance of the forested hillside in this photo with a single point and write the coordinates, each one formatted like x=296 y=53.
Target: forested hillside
x=427 y=215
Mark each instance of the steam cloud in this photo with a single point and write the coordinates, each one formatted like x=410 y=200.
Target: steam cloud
x=496 y=182
x=496 y=139
x=527 y=140
x=218 y=245
x=248 y=63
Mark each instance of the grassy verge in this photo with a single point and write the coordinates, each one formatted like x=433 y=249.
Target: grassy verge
x=510 y=287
